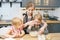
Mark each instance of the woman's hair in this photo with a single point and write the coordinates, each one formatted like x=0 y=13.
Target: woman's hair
x=38 y=16
x=30 y=4
x=16 y=21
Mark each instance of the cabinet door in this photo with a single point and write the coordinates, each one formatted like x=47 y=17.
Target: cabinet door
x=43 y=3
x=54 y=28
x=55 y=3
x=24 y=2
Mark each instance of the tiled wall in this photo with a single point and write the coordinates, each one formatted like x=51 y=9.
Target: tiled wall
x=16 y=11
x=10 y=12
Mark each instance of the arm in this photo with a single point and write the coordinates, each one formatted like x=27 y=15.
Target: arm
x=9 y=34
x=22 y=33
x=13 y=35
x=30 y=23
x=43 y=27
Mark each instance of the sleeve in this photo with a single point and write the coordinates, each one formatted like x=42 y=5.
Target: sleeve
x=30 y=23
x=24 y=17
x=44 y=26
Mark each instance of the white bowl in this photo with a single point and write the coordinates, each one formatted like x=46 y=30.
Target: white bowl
x=33 y=33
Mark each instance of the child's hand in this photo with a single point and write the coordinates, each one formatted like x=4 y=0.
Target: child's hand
x=22 y=33
x=14 y=35
x=41 y=31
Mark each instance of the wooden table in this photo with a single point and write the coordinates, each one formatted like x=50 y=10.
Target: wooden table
x=28 y=37
x=25 y=37
x=53 y=36
x=50 y=36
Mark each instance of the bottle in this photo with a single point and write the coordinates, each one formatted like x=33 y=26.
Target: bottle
x=1 y=17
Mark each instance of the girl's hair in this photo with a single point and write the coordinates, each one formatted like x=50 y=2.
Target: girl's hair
x=30 y=4
x=16 y=21
x=38 y=16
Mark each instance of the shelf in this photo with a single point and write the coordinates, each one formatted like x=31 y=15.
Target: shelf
x=23 y=8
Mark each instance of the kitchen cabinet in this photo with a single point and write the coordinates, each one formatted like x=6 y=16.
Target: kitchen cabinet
x=43 y=3
x=38 y=3
x=54 y=27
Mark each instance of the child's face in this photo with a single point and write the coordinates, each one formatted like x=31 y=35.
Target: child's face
x=37 y=22
x=17 y=23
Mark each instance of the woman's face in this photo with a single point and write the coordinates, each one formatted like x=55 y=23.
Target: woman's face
x=30 y=10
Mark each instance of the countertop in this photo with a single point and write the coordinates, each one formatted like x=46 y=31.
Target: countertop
x=50 y=36
x=25 y=37
x=47 y=21
x=53 y=36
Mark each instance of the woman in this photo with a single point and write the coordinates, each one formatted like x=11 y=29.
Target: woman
x=28 y=15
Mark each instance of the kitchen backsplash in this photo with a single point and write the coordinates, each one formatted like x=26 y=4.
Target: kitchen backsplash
x=16 y=11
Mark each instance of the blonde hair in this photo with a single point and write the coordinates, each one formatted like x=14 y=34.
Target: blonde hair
x=38 y=16
x=16 y=21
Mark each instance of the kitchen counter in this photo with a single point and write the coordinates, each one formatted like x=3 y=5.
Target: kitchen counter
x=48 y=21
x=5 y=22
x=52 y=21
x=50 y=36
x=53 y=36
x=25 y=37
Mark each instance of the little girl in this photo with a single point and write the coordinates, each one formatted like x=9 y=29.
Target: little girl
x=37 y=24
x=16 y=28
x=37 y=27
